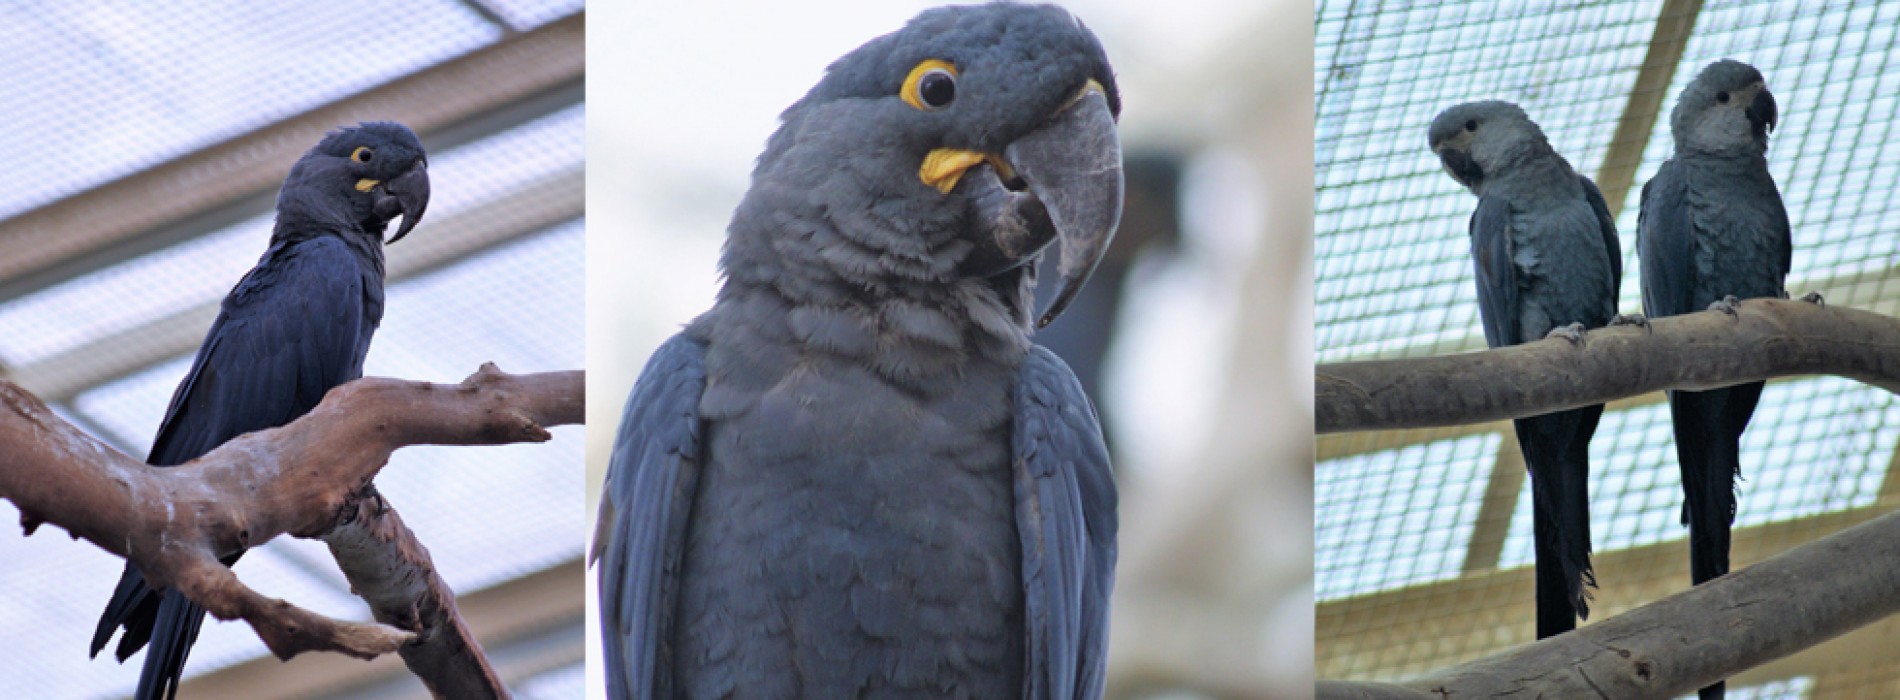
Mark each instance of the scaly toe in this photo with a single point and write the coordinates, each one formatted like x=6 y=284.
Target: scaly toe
x=1632 y=320
x=1572 y=333
x=1726 y=305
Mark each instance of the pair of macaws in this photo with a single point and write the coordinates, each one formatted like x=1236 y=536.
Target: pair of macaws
x=1712 y=230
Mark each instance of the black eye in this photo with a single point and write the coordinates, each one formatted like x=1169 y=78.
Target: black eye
x=937 y=88
x=1471 y=125
x=362 y=154
x=1721 y=97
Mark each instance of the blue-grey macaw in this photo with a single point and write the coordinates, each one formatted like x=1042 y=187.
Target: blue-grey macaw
x=855 y=477
x=297 y=325
x=1712 y=228
x=1548 y=262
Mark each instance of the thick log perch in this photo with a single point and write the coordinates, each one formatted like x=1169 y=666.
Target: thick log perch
x=1792 y=601
x=303 y=479
x=1765 y=338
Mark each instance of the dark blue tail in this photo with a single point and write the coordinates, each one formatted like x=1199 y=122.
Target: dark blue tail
x=168 y=621
x=172 y=637
x=1709 y=427
x=1556 y=449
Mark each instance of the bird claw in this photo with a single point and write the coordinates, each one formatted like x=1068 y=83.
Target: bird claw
x=1632 y=320
x=1572 y=333
x=1727 y=305
x=1814 y=298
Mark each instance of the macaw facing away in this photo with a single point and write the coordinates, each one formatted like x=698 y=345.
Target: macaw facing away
x=298 y=324
x=1712 y=229
x=1548 y=263
x=855 y=476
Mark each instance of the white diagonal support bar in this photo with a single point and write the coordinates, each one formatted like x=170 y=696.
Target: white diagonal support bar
x=436 y=243
x=56 y=240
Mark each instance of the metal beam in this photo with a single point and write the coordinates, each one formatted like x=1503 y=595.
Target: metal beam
x=529 y=625
x=1890 y=484
x=1494 y=512
x=146 y=210
x=553 y=200
x=1673 y=25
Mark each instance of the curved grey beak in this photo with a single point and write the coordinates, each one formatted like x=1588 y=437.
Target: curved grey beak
x=1461 y=167
x=408 y=195
x=1762 y=109
x=1074 y=167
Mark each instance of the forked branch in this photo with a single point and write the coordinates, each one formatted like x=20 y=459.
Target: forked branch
x=307 y=479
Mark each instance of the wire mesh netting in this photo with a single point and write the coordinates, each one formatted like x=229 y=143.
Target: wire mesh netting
x=137 y=88
x=1424 y=550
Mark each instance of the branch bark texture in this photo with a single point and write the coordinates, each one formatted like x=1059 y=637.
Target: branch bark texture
x=306 y=479
x=1765 y=338
x=1673 y=646
x=390 y=569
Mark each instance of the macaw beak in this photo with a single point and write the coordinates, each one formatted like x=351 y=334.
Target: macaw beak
x=1073 y=165
x=1461 y=167
x=408 y=195
x=1762 y=109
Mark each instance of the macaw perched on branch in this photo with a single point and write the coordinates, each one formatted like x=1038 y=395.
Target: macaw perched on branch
x=298 y=324
x=1712 y=230
x=1548 y=264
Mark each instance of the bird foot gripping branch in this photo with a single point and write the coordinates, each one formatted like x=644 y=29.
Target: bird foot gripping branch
x=1572 y=333
x=1638 y=320
x=1729 y=304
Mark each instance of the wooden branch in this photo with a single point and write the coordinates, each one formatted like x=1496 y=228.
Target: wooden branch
x=303 y=479
x=1784 y=604
x=1765 y=338
x=390 y=569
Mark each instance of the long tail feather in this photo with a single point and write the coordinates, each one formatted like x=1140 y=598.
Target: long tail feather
x=1557 y=450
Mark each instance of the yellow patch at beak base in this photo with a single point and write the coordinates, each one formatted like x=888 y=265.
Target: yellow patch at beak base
x=1091 y=86
x=365 y=184
x=945 y=166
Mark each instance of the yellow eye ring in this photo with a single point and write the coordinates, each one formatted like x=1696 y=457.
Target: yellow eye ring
x=931 y=85
x=362 y=154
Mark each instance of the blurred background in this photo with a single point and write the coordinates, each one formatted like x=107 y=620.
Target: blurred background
x=152 y=139
x=1195 y=340
x=1423 y=536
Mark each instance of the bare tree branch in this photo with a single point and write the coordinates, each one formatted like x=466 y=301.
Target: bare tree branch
x=304 y=479
x=1792 y=601
x=390 y=569
x=1765 y=338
